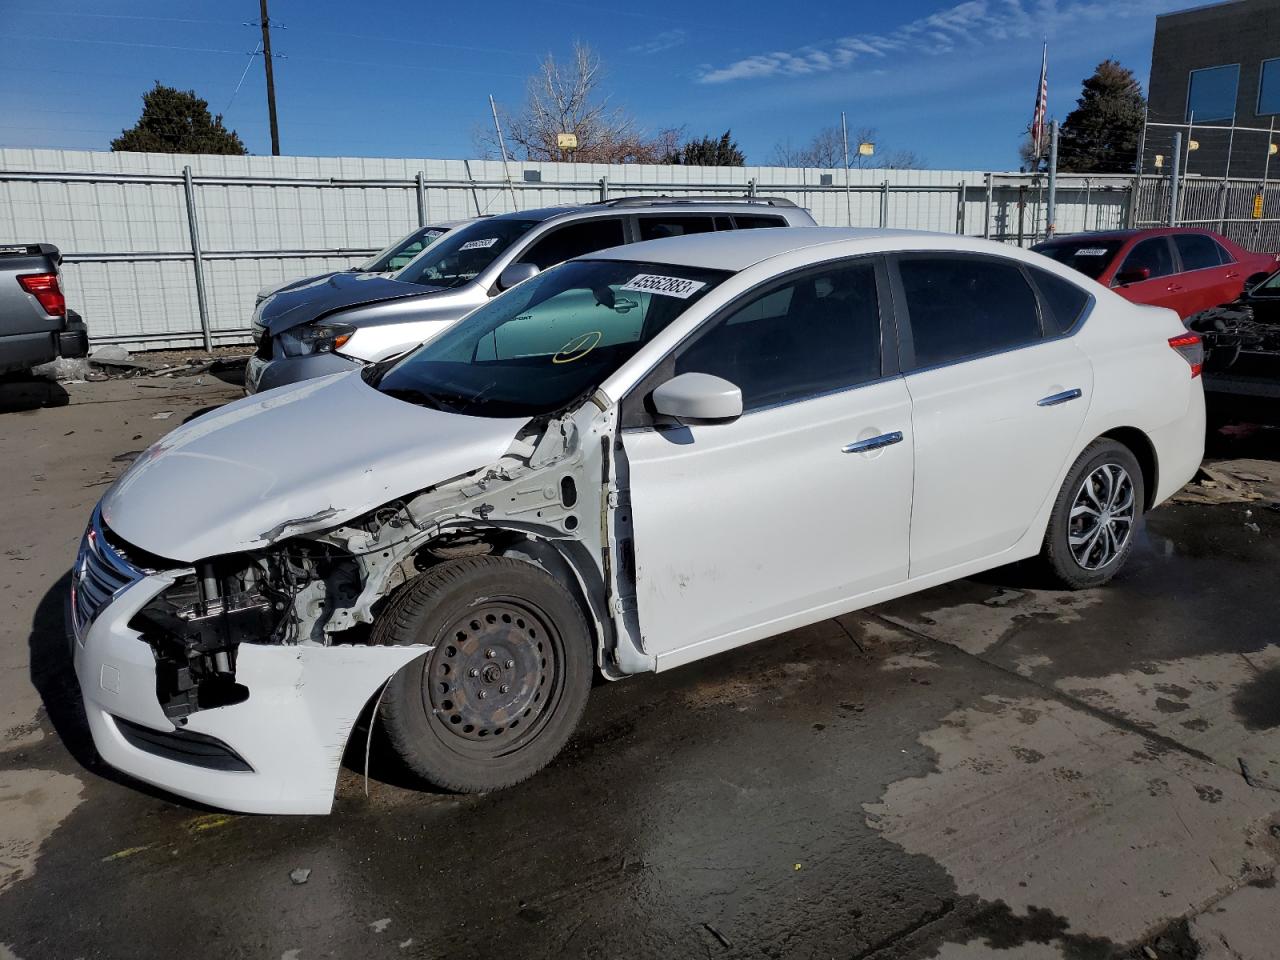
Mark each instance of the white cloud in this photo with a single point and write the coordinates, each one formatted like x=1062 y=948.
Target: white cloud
x=973 y=24
x=662 y=41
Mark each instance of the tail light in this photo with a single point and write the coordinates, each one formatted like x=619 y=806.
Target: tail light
x=44 y=287
x=1191 y=348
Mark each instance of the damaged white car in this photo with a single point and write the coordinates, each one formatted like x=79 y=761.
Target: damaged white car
x=626 y=463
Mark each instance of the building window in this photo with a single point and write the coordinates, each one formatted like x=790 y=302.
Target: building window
x=1269 y=87
x=1211 y=94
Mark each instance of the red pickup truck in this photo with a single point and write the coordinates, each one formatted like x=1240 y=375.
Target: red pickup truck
x=1185 y=269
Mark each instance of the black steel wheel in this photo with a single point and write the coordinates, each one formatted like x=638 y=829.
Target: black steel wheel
x=506 y=682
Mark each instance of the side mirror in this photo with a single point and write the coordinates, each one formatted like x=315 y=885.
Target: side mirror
x=516 y=273
x=1133 y=275
x=698 y=396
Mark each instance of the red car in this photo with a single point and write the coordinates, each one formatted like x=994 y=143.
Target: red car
x=1184 y=269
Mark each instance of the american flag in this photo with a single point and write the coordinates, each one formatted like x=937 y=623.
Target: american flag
x=1042 y=102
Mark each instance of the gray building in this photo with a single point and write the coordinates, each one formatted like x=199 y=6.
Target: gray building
x=1216 y=66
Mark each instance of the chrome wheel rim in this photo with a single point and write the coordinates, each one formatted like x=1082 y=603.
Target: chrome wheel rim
x=1102 y=515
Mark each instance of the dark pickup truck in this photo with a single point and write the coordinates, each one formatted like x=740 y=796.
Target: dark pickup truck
x=35 y=324
x=1242 y=356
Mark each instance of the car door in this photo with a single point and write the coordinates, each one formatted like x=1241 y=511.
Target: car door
x=747 y=528
x=1161 y=287
x=996 y=404
x=1202 y=274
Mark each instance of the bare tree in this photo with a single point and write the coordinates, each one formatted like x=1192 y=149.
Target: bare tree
x=826 y=150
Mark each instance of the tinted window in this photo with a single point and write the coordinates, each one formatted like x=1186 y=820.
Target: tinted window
x=815 y=334
x=1269 y=87
x=1087 y=255
x=1065 y=301
x=1153 y=255
x=461 y=254
x=1211 y=94
x=749 y=222
x=966 y=306
x=655 y=228
x=563 y=244
x=1197 y=251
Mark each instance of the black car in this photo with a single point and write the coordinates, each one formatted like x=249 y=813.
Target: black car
x=1242 y=356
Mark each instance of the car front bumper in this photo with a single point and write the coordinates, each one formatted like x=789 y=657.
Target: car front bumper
x=290 y=733
x=260 y=374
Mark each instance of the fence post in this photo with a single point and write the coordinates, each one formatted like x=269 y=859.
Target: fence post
x=475 y=197
x=960 y=195
x=884 y=204
x=1173 y=178
x=1088 y=189
x=1051 y=202
x=604 y=189
x=986 y=210
x=420 y=177
x=1222 y=205
x=1135 y=191
x=198 y=265
x=751 y=187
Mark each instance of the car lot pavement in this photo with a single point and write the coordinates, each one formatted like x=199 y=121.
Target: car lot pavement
x=985 y=769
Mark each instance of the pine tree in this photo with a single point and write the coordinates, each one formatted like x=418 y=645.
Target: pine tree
x=176 y=121
x=708 y=152
x=1101 y=134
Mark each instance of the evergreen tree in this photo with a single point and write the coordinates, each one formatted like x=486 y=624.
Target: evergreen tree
x=177 y=121
x=1101 y=134
x=708 y=152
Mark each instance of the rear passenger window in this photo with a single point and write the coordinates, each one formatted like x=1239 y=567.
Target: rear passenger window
x=1153 y=254
x=655 y=228
x=1064 y=299
x=965 y=307
x=752 y=222
x=576 y=239
x=813 y=335
x=1197 y=251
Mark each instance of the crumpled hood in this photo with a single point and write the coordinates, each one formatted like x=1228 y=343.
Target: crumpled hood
x=301 y=304
x=291 y=461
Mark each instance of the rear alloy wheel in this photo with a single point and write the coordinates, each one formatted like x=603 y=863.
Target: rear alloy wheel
x=1092 y=526
x=506 y=682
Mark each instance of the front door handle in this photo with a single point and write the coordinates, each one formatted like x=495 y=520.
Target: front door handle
x=874 y=443
x=1056 y=398
x=1174 y=287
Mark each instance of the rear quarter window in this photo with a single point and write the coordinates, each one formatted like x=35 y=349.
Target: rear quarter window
x=1064 y=302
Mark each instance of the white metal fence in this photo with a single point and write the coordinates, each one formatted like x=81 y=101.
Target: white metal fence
x=147 y=237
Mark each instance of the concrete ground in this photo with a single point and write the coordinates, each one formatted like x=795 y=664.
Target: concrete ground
x=985 y=769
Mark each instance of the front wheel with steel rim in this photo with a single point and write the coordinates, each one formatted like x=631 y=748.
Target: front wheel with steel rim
x=506 y=682
x=1091 y=529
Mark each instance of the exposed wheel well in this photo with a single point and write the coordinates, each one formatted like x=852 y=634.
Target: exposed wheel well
x=1140 y=446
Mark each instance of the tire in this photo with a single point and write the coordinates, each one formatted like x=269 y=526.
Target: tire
x=506 y=684
x=1091 y=561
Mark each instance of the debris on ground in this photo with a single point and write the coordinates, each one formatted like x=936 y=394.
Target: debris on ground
x=1232 y=481
x=724 y=941
x=301 y=875
x=379 y=925
x=162 y=415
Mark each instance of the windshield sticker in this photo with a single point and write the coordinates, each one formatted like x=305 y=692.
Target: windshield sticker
x=578 y=347
x=1091 y=252
x=484 y=244
x=667 y=286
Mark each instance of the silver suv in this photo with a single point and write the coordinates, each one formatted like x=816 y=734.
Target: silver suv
x=347 y=320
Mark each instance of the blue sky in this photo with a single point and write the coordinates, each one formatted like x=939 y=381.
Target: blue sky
x=952 y=81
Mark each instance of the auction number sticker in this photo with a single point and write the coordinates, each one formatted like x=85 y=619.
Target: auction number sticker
x=1091 y=252
x=667 y=286
x=484 y=244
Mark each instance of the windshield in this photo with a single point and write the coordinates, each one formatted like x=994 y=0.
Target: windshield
x=548 y=341
x=1088 y=256
x=1269 y=287
x=461 y=255
x=402 y=251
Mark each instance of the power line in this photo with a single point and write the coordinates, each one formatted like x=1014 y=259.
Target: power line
x=242 y=76
x=119 y=43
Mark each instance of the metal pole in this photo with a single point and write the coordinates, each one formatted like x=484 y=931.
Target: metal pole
x=1186 y=164
x=986 y=217
x=475 y=197
x=1231 y=140
x=193 y=223
x=271 y=79
x=1022 y=211
x=1174 y=178
x=1051 y=208
x=1132 y=217
x=604 y=189
x=884 y=204
x=848 y=195
x=960 y=195
x=751 y=187
x=515 y=205
x=420 y=178
x=1266 y=169
x=1222 y=206
x=1088 y=191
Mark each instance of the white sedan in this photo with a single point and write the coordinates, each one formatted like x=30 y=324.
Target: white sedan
x=631 y=461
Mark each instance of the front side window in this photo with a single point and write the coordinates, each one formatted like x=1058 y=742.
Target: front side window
x=1269 y=87
x=461 y=254
x=1211 y=93
x=1088 y=256
x=400 y=258
x=574 y=240
x=1152 y=255
x=656 y=228
x=1197 y=251
x=812 y=335
x=547 y=342
x=962 y=307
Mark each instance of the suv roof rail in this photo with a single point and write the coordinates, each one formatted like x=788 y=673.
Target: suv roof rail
x=656 y=200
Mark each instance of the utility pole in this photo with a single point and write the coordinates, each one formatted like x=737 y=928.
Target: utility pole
x=271 y=80
x=848 y=196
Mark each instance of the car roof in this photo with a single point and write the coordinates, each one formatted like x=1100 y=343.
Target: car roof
x=629 y=205
x=1089 y=235
x=735 y=250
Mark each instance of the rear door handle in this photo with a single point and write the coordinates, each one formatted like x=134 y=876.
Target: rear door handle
x=1174 y=287
x=1232 y=275
x=874 y=443
x=1056 y=398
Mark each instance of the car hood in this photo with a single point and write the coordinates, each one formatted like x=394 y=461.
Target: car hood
x=291 y=461
x=297 y=305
